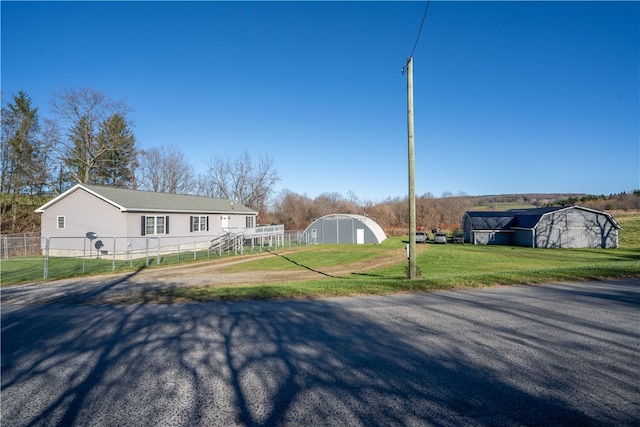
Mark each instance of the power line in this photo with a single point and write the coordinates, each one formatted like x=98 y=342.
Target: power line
x=421 y=25
x=426 y=9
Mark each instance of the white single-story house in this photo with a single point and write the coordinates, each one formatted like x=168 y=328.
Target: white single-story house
x=344 y=229
x=553 y=227
x=130 y=221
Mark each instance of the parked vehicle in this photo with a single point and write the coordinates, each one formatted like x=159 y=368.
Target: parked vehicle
x=421 y=237
x=440 y=238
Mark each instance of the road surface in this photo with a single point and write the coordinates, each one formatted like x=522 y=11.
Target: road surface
x=559 y=354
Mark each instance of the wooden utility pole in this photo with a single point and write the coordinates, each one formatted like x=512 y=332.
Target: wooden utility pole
x=412 y=167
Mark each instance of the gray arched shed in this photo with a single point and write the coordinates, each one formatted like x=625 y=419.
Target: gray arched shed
x=553 y=227
x=344 y=228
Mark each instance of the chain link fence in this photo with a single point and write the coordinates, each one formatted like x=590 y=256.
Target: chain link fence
x=29 y=257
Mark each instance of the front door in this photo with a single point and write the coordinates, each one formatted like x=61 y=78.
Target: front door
x=224 y=223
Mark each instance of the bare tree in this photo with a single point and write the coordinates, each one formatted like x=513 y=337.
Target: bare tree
x=241 y=180
x=331 y=203
x=81 y=113
x=165 y=169
x=292 y=210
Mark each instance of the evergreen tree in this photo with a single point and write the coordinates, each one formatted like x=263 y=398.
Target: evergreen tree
x=117 y=160
x=23 y=169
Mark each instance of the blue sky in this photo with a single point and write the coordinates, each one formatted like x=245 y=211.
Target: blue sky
x=510 y=97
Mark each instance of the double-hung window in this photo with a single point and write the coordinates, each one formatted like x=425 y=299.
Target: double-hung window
x=60 y=224
x=155 y=225
x=199 y=223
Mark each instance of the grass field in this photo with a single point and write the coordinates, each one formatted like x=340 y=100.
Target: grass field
x=440 y=267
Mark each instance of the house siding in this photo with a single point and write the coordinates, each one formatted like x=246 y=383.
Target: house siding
x=83 y=213
x=523 y=238
x=491 y=237
x=120 y=229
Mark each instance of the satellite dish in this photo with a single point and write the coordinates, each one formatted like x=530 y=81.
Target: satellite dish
x=98 y=244
x=91 y=235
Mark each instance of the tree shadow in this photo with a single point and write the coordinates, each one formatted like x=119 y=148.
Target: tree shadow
x=300 y=265
x=440 y=359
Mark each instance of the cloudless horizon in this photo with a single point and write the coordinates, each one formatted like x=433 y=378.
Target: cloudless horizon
x=509 y=97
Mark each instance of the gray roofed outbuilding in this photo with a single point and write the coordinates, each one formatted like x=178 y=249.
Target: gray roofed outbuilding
x=344 y=229
x=552 y=227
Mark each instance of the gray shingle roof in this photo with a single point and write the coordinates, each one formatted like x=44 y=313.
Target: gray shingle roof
x=149 y=201
x=517 y=218
x=505 y=220
x=485 y=220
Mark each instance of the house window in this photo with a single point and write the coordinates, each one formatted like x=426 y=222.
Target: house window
x=60 y=222
x=199 y=223
x=155 y=225
x=249 y=222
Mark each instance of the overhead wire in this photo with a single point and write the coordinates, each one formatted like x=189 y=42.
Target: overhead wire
x=424 y=17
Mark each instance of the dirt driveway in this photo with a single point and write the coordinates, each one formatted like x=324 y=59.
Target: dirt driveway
x=104 y=288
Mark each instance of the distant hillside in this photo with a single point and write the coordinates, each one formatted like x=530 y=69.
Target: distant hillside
x=519 y=201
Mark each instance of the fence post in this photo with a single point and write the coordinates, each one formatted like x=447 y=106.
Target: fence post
x=6 y=246
x=194 y=249
x=113 y=256
x=46 y=258
x=147 y=251
x=158 y=255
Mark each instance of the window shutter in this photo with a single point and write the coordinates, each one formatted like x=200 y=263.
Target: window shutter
x=191 y=223
x=207 y=223
x=166 y=225
x=143 y=229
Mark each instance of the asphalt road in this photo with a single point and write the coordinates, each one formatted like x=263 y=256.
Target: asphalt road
x=524 y=355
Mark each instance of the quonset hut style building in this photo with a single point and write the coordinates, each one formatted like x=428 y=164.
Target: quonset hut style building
x=344 y=228
x=556 y=227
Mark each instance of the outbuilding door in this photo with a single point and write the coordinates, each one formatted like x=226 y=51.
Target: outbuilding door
x=360 y=236
x=224 y=221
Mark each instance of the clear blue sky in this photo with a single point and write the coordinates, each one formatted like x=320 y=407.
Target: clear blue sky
x=510 y=97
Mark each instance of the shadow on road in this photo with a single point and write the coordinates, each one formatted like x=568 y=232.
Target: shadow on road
x=311 y=363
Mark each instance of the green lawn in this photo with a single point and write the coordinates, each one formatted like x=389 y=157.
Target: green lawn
x=440 y=267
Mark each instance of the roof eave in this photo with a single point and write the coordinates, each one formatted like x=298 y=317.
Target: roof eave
x=73 y=189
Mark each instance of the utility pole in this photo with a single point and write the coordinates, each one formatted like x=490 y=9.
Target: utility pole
x=412 y=167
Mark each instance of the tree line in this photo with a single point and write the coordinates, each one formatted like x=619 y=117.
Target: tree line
x=89 y=139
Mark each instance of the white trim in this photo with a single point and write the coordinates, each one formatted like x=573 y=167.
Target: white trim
x=73 y=189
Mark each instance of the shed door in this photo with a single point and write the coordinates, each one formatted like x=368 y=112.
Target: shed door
x=360 y=236
x=224 y=221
